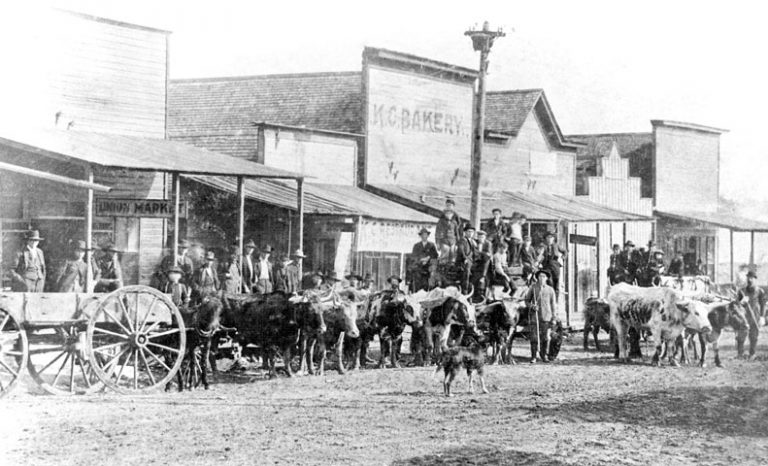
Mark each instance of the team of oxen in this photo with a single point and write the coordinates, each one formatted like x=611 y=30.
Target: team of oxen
x=300 y=330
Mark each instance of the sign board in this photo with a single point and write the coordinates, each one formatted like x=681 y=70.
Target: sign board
x=582 y=239
x=419 y=128
x=137 y=208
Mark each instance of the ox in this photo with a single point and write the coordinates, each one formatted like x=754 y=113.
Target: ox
x=357 y=348
x=659 y=309
x=340 y=317
x=597 y=316
x=720 y=315
x=395 y=312
x=453 y=309
x=499 y=320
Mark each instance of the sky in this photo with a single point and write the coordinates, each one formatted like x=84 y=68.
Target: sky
x=605 y=66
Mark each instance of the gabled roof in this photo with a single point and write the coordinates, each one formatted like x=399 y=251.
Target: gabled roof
x=129 y=152
x=599 y=145
x=538 y=207
x=507 y=111
x=320 y=199
x=230 y=106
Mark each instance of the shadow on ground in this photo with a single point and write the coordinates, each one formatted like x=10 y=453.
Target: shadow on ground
x=723 y=410
x=482 y=456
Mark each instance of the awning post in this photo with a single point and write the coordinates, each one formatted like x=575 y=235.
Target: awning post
x=176 y=202
x=752 y=248
x=731 y=245
x=300 y=213
x=240 y=225
x=89 y=232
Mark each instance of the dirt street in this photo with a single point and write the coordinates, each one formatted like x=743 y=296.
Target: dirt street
x=583 y=409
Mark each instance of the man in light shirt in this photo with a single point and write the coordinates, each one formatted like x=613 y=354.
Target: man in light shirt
x=262 y=271
x=247 y=273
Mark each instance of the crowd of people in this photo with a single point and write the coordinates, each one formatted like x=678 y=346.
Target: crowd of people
x=646 y=266
x=496 y=255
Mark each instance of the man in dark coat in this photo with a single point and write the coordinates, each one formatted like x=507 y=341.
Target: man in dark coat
x=541 y=302
x=497 y=230
x=248 y=261
x=263 y=272
x=206 y=280
x=28 y=272
x=74 y=271
x=615 y=274
x=109 y=270
x=528 y=258
x=629 y=262
x=481 y=263
x=752 y=297
x=465 y=256
x=423 y=258
x=180 y=294
x=551 y=261
x=184 y=262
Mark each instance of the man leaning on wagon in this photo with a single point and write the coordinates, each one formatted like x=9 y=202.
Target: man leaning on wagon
x=184 y=262
x=109 y=271
x=73 y=273
x=28 y=272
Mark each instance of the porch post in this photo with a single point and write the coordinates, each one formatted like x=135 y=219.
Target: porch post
x=176 y=203
x=752 y=248
x=731 y=241
x=89 y=232
x=300 y=213
x=240 y=226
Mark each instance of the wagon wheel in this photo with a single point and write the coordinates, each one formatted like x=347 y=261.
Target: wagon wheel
x=58 y=361
x=136 y=339
x=13 y=351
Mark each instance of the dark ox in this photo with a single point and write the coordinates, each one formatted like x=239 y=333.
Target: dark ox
x=597 y=316
x=660 y=310
x=395 y=313
x=720 y=315
x=439 y=320
x=272 y=323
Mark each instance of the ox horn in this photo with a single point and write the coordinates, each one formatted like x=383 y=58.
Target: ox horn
x=471 y=292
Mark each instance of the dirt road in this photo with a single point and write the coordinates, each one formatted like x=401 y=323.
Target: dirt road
x=583 y=409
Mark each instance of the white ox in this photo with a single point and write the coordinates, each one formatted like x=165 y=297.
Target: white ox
x=663 y=311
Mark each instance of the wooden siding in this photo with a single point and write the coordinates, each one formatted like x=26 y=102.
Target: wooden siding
x=96 y=76
x=419 y=129
x=326 y=159
x=687 y=167
x=508 y=165
x=381 y=236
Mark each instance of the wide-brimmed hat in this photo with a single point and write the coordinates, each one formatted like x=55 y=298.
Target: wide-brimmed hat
x=545 y=272
x=356 y=276
x=174 y=269
x=299 y=253
x=495 y=209
x=527 y=238
x=183 y=243
x=368 y=277
x=751 y=274
x=79 y=244
x=468 y=227
x=250 y=244
x=450 y=201
x=33 y=235
x=394 y=277
x=481 y=232
x=267 y=249
x=424 y=230
x=549 y=233
x=332 y=276
x=210 y=256
x=629 y=243
x=109 y=246
x=658 y=251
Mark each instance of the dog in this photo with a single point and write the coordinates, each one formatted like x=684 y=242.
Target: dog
x=471 y=357
x=559 y=333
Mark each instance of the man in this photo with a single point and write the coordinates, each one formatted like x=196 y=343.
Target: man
x=230 y=272
x=262 y=272
x=280 y=273
x=448 y=232
x=515 y=237
x=184 y=262
x=528 y=258
x=206 y=280
x=74 y=271
x=542 y=315
x=498 y=231
x=293 y=275
x=629 y=262
x=28 y=272
x=481 y=263
x=179 y=292
x=465 y=256
x=752 y=297
x=367 y=284
x=551 y=261
x=109 y=270
x=655 y=268
x=248 y=272
x=500 y=273
x=615 y=274
x=423 y=257
x=677 y=266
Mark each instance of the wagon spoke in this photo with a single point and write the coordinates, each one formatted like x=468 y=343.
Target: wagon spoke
x=147 y=314
x=15 y=353
x=108 y=346
x=135 y=369
x=72 y=374
x=114 y=360
x=154 y=356
x=152 y=327
x=49 y=349
x=63 y=365
x=5 y=321
x=107 y=332
x=51 y=362
x=163 y=347
x=126 y=313
x=82 y=370
x=8 y=368
x=122 y=368
x=111 y=316
x=146 y=364
x=168 y=332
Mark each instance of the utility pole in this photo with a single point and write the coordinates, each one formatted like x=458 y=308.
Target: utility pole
x=482 y=41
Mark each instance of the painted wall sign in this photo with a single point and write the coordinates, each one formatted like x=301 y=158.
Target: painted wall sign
x=138 y=208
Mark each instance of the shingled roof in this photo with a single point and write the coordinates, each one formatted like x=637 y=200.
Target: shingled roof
x=506 y=111
x=229 y=106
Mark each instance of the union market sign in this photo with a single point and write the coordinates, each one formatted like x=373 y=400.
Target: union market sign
x=140 y=208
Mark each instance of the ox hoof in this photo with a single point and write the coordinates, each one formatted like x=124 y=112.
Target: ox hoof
x=674 y=363
x=485 y=390
x=702 y=365
x=719 y=364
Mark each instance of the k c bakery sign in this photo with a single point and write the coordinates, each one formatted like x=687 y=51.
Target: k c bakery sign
x=140 y=208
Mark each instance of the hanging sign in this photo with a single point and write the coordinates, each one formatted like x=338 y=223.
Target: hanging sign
x=138 y=208
x=582 y=239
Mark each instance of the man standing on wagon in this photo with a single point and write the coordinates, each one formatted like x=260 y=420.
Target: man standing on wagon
x=28 y=272
x=423 y=257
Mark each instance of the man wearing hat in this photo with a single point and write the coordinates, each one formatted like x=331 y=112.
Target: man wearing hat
x=551 y=261
x=206 y=281
x=73 y=273
x=516 y=237
x=752 y=298
x=542 y=315
x=280 y=273
x=293 y=272
x=179 y=292
x=480 y=265
x=497 y=229
x=367 y=283
x=230 y=272
x=629 y=262
x=248 y=274
x=263 y=273
x=28 y=272
x=448 y=229
x=528 y=258
x=465 y=256
x=108 y=269
x=423 y=258
x=184 y=262
x=655 y=268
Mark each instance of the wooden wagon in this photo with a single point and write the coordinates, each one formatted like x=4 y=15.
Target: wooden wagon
x=130 y=340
